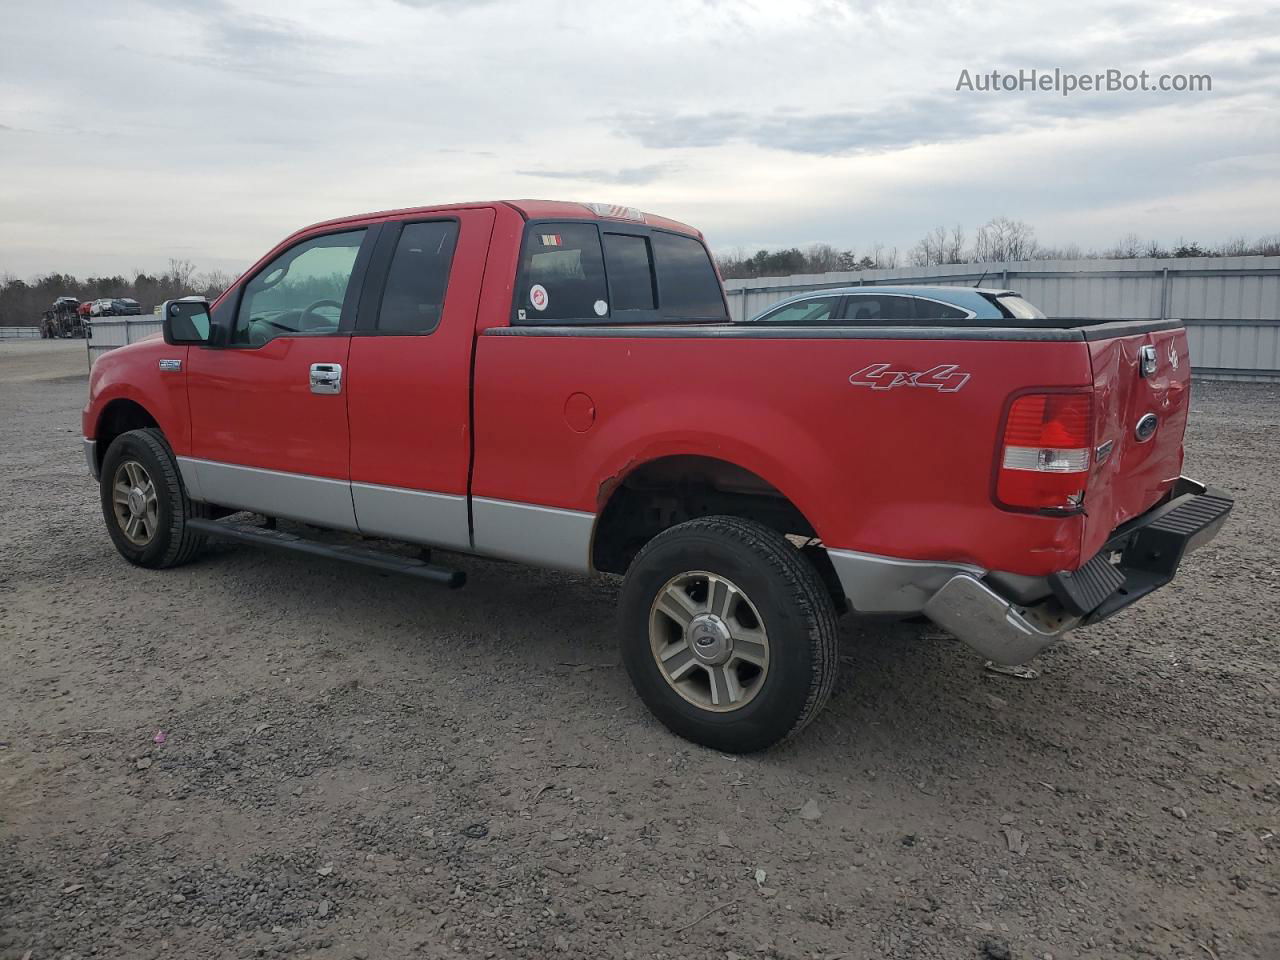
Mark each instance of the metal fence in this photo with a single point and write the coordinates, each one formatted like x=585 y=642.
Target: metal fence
x=107 y=333
x=20 y=333
x=1230 y=305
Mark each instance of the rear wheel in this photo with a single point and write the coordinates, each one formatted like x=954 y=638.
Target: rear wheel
x=145 y=506
x=728 y=633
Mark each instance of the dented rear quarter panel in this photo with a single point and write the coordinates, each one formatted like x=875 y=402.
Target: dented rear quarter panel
x=904 y=472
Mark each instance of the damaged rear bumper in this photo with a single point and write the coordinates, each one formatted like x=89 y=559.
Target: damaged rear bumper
x=1141 y=556
x=992 y=625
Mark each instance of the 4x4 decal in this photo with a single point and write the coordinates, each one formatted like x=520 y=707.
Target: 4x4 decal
x=945 y=377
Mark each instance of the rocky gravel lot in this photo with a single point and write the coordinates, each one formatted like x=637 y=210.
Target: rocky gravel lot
x=358 y=766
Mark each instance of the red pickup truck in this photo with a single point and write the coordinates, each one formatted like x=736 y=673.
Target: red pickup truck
x=561 y=384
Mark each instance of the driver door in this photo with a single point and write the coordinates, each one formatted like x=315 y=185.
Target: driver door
x=269 y=429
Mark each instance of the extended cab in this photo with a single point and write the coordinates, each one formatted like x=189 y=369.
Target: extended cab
x=560 y=384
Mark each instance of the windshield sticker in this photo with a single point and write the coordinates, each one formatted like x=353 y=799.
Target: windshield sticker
x=551 y=239
x=538 y=297
x=601 y=308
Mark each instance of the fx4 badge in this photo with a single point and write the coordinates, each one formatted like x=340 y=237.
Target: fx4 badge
x=945 y=378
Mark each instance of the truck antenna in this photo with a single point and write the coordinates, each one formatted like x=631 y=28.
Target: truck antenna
x=981 y=278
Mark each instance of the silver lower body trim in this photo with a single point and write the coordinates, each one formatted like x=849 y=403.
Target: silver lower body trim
x=438 y=519
x=876 y=584
x=544 y=536
x=91 y=456
x=190 y=479
x=319 y=500
x=529 y=533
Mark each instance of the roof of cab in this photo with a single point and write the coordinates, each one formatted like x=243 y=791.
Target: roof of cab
x=570 y=210
x=530 y=210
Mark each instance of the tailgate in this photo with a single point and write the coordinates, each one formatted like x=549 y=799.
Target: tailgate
x=1140 y=414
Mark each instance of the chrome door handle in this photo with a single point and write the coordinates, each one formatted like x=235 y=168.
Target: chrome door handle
x=326 y=378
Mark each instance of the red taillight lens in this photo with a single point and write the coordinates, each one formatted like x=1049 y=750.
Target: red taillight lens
x=1044 y=457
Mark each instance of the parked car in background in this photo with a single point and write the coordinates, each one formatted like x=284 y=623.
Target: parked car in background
x=101 y=308
x=125 y=307
x=63 y=319
x=900 y=304
x=560 y=384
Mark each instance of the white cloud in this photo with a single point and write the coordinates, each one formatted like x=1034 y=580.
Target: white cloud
x=207 y=129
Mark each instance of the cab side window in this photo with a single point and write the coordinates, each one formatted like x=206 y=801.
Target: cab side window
x=300 y=293
x=561 y=274
x=414 y=295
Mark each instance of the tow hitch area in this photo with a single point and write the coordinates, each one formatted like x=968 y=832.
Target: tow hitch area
x=1140 y=557
x=1144 y=554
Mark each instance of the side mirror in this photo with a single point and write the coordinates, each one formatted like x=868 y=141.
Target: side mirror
x=186 y=322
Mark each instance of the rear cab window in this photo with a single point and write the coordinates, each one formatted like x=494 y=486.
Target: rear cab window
x=599 y=272
x=688 y=287
x=629 y=262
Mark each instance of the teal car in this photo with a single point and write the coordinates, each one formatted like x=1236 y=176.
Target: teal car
x=900 y=305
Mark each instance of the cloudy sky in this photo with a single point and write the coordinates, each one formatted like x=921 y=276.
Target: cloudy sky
x=131 y=132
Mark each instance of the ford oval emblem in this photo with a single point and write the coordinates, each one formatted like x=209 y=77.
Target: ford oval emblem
x=1146 y=427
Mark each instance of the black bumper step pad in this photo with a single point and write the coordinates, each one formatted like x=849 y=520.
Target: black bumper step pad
x=1149 y=549
x=1192 y=516
x=1083 y=591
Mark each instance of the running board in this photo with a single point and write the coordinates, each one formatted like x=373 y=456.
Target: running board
x=364 y=556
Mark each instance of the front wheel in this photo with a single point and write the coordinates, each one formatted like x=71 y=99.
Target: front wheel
x=728 y=633
x=144 y=503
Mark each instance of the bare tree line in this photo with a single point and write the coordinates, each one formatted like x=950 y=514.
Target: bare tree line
x=999 y=239
x=24 y=301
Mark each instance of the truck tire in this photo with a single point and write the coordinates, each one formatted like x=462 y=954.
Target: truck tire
x=728 y=633
x=144 y=503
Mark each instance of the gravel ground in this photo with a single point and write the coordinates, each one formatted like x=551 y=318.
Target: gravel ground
x=357 y=766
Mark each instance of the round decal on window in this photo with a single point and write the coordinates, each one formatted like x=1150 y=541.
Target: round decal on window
x=538 y=297
x=601 y=308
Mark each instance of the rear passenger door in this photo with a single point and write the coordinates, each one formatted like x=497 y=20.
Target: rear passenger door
x=409 y=385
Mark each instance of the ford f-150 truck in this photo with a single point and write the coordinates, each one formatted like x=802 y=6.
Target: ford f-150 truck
x=561 y=384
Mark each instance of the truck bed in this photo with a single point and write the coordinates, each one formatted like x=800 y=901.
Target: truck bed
x=916 y=466
x=1052 y=329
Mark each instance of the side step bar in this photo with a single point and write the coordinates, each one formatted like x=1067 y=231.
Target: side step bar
x=364 y=556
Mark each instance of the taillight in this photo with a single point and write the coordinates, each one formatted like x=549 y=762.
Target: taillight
x=1044 y=460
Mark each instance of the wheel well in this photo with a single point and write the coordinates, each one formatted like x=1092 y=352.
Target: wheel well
x=120 y=416
x=664 y=492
